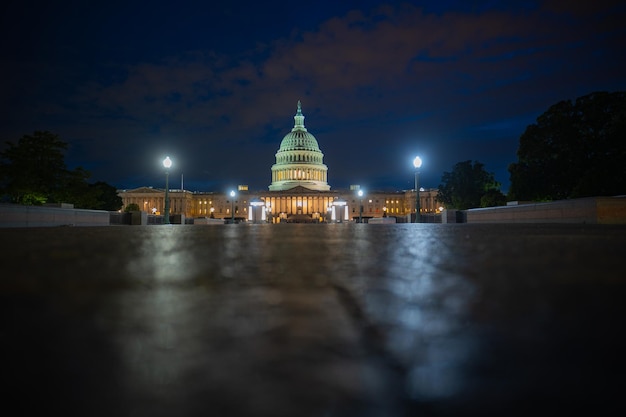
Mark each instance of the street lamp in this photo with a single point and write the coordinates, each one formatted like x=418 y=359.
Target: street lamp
x=360 y=206
x=232 y=205
x=167 y=163
x=417 y=163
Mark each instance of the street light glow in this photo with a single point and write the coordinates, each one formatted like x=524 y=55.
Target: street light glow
x=232 y=207
x=167 y=163
x=417 y=163
x=360 y=193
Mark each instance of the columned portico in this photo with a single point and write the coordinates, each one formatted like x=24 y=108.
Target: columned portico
x=299 y=201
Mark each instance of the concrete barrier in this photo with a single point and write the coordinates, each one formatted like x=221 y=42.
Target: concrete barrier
x=208 y=221
x=592 y=210
x=449 y=216
x=382 y=220
x=138 y=218
x=13 y=215
x=177 y=219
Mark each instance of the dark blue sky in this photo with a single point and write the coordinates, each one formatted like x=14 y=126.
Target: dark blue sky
x=216 y=87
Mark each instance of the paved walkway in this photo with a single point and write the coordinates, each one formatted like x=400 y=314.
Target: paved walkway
x=314 y=320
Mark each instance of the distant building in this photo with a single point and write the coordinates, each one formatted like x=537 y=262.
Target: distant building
x=299 y=192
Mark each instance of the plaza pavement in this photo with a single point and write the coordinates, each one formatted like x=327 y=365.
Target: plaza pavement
x=314 y=320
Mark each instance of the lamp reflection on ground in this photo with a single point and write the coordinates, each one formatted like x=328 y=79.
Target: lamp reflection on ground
x=333 y=319
x=411 y=288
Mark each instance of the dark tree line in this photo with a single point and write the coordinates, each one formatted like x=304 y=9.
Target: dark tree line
x=469 y=185
x=575 y=149
x=33 y=172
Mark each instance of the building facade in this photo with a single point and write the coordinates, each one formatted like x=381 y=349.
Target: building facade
x=299 y=192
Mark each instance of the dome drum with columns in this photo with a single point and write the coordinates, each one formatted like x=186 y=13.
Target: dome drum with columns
x=299 y=160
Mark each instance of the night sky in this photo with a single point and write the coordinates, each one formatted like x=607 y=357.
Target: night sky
x=214 y=85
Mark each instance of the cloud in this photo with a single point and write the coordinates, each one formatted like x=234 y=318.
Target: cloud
x=368 y=60
x=365 y=77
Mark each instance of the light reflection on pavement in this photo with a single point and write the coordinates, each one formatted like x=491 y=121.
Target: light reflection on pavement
x=319 y=320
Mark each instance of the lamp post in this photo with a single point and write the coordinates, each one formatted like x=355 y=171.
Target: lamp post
x=360 y=206
x=167 y=163
x=417 y=163
x=232 y=206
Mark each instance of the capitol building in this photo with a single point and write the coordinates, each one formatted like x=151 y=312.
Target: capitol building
x=299 y=192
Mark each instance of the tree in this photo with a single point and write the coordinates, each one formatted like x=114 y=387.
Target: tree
x=106 y=196
x=131 y=207
x=493 y=198
x=97 y=196
x=466 y=185
x=33 y=172
x=573 y=150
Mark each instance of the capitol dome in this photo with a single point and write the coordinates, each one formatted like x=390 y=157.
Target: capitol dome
x=299 y=160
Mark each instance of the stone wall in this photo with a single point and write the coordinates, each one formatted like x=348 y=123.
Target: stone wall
x=13 y=215
x=600 y=210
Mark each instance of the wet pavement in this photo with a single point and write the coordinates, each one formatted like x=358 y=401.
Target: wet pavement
x=314 y=320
